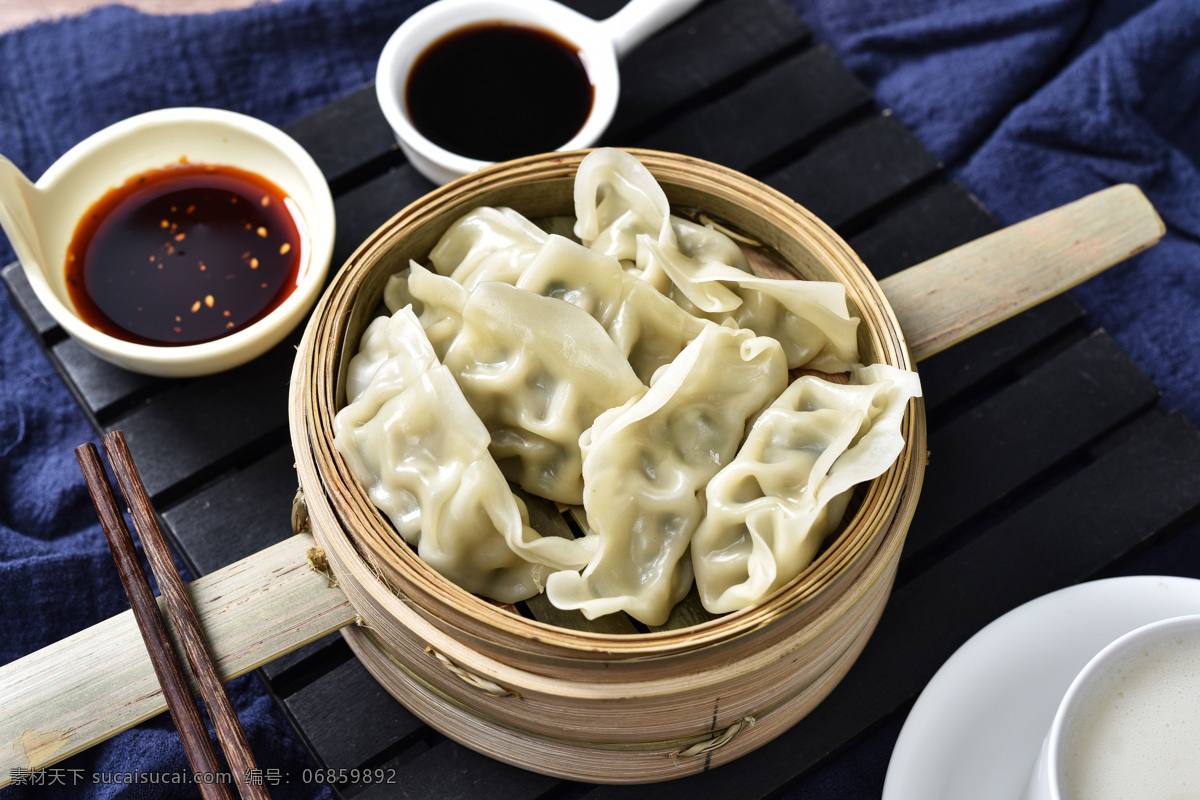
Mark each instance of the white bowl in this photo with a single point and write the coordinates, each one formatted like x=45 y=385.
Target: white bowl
x=422 y=29
x=155 y=139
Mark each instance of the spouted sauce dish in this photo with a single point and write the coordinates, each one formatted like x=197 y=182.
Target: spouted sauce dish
x=184 y=254
x=495 y=91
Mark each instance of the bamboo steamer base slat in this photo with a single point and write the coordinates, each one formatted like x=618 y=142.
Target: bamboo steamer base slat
x=396 y=617
x=624 y=762
x=686 y=706
x=619 y=707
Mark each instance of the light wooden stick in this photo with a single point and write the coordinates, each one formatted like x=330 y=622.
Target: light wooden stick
x=963 y=291
x=83 y=689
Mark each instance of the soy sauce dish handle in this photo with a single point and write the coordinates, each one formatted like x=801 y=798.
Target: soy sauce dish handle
x=641 y=19
x=19 y=198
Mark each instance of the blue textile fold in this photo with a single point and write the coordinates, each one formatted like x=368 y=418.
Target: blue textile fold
x=1030 y=103
x=1034 y=103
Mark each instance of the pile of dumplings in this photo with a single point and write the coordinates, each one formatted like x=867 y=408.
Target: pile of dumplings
x=637 y=368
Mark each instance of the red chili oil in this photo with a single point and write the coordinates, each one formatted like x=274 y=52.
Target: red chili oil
x=185 y=254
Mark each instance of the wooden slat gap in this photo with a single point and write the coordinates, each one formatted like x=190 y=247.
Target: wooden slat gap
x=401 y=753
x=939 y=218
x=979 y=462
x=414 y=745
x=106 y=418
x=35 y=317
x=913 y=562
x=954 y=373
x=366 y=172
x=623 y=132
x=872 y=215
x=346 y=136
x=885 y=164
x=1020 y=367
x=666 y=116
x=168 y=497
x=916 y=561
x=417 y=751
x=349 y=692
x=450 y=771
x=1054 y=347
x=804 y=147
x=303 y=674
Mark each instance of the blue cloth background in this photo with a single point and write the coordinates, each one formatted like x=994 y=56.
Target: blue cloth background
x=1031 y=103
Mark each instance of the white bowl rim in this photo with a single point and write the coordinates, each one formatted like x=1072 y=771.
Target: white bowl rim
x=237 y=348
x=595 y=45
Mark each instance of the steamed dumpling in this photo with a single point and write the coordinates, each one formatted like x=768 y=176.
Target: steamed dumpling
x=617 y=201
x=710 y=278
x=399 y=343
x=624 y=213
x=771 y=507
x=646 y=326
x=549 y=344
x=437 y=301
x=537 y=371
x=487 y=244
x=441 y=489
x=436 y=483
x=646 y=465
x=420 y=452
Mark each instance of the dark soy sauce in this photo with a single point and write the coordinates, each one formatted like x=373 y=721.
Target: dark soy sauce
x=184 y=254
x=496 y=91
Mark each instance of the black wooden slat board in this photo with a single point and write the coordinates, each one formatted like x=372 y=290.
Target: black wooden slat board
x=714 y=46
x=1014 y=436
x=1031 y=423
x=101 y=387
x=450 y=772
x=349 y=692
x=785 y=106
x=854 y=171
x=211 y=522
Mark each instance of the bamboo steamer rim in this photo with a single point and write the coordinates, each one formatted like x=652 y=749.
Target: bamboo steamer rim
x=314 y=394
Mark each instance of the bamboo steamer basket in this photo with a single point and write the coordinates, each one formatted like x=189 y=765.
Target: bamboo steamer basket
x=617 y=707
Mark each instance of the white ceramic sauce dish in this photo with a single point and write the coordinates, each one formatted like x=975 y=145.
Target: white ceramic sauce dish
x=41 y=218
x=601 y=44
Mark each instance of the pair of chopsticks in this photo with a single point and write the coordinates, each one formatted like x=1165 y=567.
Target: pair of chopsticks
x=180 y=701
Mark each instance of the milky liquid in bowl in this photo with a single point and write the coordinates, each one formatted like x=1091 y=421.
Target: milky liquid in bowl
x=1136 y=732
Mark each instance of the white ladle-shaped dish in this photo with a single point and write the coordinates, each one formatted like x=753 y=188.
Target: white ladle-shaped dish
x=601 y=44
x=40 y=220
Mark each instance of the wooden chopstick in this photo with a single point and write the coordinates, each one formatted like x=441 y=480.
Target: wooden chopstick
x=185 y=713
x=220 y=710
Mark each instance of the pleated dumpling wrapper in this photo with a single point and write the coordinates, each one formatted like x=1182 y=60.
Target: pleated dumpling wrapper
x=646 y=465
x=646 y=326
x=536 y=370
x=487 y=244
x=769 y=510
x=421 y=452
x=622 y=211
